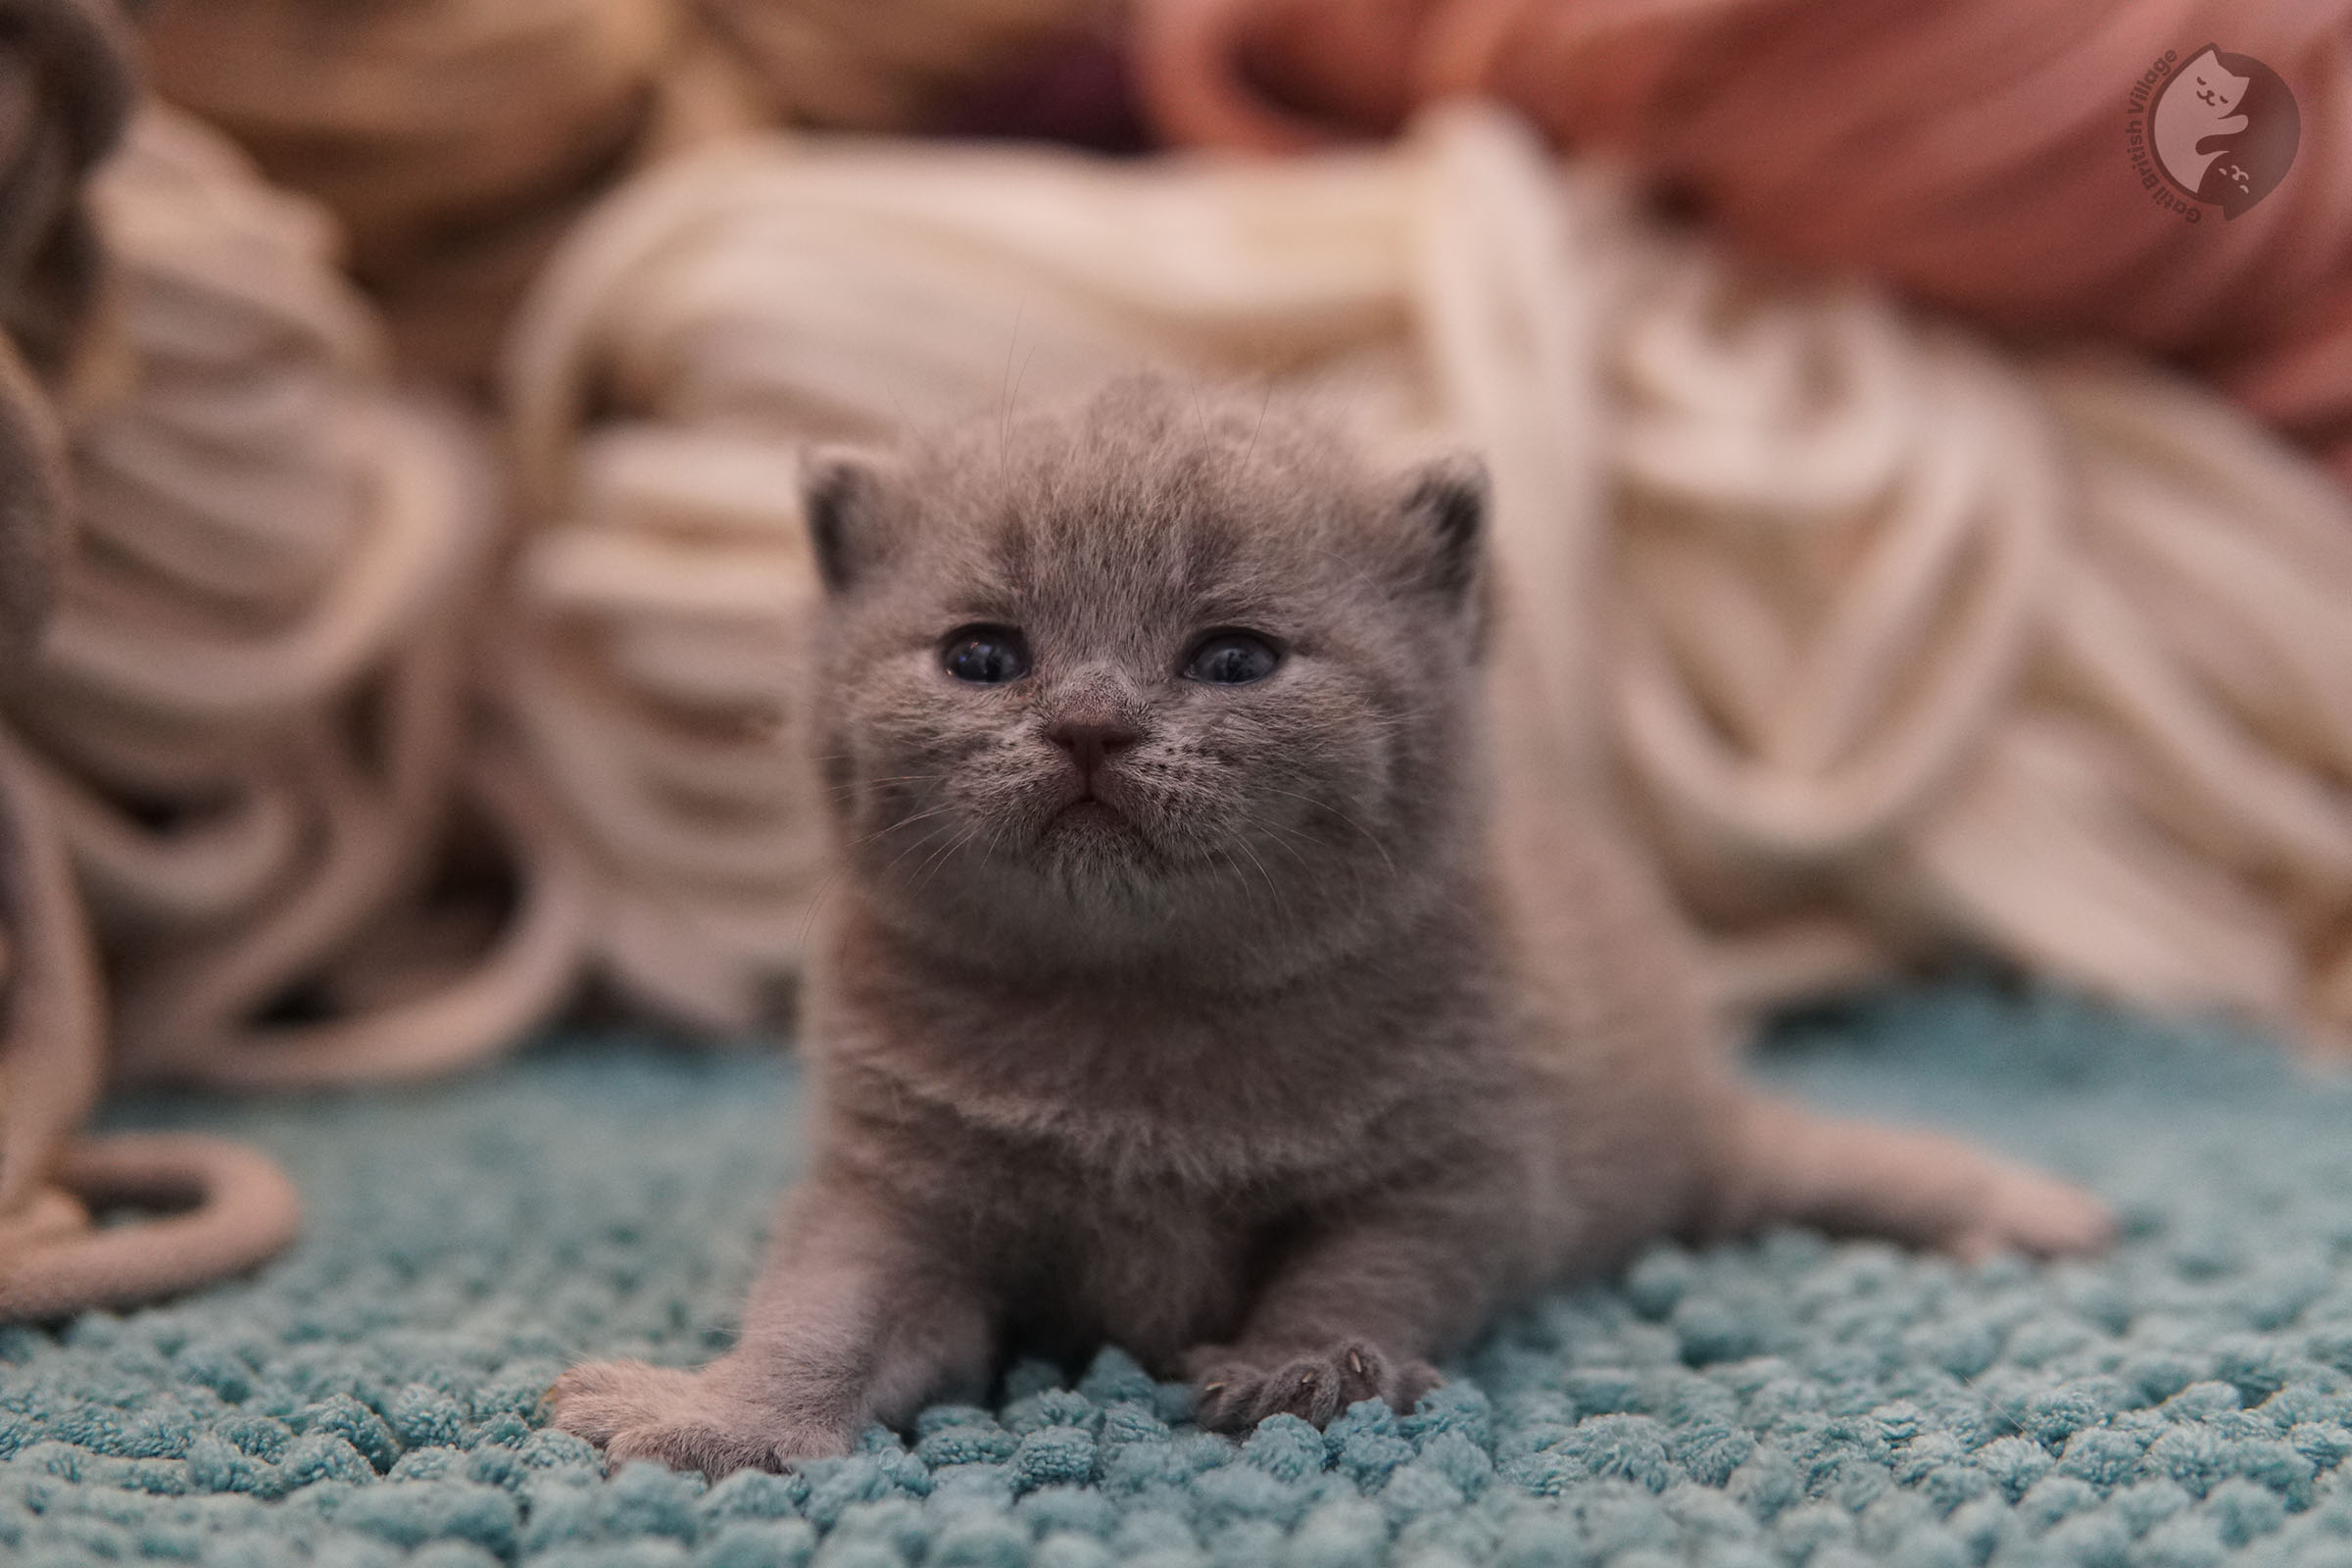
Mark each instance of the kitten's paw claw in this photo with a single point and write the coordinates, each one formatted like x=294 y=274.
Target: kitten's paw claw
x=1235 y=1390
x=678 y=1418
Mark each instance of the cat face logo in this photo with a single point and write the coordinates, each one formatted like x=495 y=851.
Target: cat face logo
x=2224 y=130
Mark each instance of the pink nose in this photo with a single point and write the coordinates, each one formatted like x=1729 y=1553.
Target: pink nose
x=1091 y=745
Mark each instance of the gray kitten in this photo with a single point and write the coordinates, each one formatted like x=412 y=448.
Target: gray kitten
x=1194 y=983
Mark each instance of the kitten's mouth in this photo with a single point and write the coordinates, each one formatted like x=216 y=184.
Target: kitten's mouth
x=1087 y=815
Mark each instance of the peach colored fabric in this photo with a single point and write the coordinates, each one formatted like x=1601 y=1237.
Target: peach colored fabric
x=1973 y=151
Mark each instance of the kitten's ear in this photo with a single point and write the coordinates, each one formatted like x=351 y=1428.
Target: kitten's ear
x=1447 y=499
x=841 y=491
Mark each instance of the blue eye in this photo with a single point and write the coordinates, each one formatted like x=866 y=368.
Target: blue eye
x=987 y=656
x=1232 y=659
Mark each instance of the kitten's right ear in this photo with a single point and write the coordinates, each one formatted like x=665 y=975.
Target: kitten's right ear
x=841 y=491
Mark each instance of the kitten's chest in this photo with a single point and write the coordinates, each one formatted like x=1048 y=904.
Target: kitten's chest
x=1115 y=1096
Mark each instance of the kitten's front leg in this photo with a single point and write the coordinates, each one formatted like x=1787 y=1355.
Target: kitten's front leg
x=852 y=1320
x=1353 y=1313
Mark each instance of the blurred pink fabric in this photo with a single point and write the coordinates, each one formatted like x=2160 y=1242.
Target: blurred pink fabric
x=1974 y=153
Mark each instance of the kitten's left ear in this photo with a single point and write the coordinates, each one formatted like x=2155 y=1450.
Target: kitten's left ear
x=1447 y=499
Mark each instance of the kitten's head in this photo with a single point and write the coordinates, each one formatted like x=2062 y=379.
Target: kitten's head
x=1167 y=679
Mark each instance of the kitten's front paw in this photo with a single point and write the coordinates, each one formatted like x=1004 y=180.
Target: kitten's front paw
x=1235 y=1389
x=680 y=1419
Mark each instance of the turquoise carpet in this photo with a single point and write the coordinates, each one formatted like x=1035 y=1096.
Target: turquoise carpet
x=372 y=1398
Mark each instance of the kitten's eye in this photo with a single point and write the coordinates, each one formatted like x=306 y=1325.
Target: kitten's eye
x=987 y=656
x=1233 y=658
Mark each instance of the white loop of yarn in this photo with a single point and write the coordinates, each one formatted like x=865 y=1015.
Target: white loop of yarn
x=1893 y=643
x=52 y=1011
x=249 y=717
x=212 y=1207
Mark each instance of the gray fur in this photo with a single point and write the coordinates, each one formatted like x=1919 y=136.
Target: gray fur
x=1292 y=1057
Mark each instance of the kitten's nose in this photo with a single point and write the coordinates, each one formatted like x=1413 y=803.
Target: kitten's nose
x=1090 y=743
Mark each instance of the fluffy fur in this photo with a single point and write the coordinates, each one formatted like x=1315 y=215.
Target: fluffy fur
x=1253 y=1027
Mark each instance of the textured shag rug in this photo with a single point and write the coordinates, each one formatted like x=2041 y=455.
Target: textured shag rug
x=373 y=1397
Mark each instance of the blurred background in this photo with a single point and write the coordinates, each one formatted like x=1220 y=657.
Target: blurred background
x=1918 y=481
